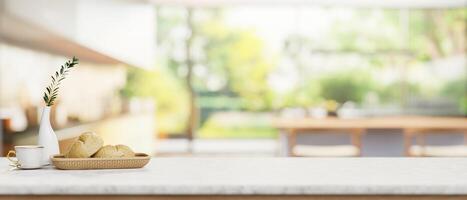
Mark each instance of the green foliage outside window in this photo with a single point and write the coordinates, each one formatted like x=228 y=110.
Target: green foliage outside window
x=239 y=59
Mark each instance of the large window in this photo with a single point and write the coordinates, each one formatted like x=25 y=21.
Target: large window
x=226 y=71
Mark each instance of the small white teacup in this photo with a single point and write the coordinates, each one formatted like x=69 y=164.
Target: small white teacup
x=27 y=157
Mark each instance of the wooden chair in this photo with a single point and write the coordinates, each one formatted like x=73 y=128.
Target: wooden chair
x=421 y=149
x=351 y=150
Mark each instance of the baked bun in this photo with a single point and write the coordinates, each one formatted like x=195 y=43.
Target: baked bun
x=86 y=145
x=118 y=151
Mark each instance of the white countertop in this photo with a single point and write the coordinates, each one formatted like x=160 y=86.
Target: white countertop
x=246 y=176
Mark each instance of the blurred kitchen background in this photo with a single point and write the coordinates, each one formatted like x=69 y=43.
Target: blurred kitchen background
x=213 y=77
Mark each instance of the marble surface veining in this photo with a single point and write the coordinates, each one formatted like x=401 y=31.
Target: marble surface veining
x=246 y=176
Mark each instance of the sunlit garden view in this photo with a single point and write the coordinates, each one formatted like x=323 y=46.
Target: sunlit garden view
x=224 y=73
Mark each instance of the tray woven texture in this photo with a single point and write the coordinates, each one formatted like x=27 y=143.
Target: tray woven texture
x=139 y=161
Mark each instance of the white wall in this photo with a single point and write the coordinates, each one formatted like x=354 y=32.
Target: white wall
x=124 y=30
x=55 y=15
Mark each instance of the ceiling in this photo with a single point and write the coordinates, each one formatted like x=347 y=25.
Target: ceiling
x=395 y=4
x=21 y=33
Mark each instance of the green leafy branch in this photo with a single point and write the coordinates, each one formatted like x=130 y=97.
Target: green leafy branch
x=52 y=90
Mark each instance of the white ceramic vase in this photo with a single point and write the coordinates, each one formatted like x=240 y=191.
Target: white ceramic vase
x=47 y=137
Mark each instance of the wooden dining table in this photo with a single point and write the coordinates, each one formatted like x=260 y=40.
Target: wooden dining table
x=411 y=126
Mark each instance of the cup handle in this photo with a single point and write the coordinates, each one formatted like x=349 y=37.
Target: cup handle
x=14 y=162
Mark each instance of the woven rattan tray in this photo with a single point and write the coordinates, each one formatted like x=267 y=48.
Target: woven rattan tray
x=139 y=161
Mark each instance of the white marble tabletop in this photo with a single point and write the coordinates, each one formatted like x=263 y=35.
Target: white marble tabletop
x=245 y=176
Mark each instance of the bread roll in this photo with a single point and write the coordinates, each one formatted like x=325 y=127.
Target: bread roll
x=86 y=145
x=118 y=151
x=127 y=152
